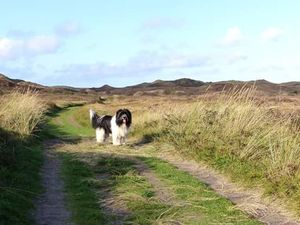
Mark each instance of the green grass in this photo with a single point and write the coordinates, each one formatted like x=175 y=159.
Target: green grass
x=65 y=122
x=81 y=197
x=20 y=184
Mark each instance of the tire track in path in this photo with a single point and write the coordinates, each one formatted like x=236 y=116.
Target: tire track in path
x=50 y=206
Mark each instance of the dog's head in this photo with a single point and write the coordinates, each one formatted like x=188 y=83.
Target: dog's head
x=123 y=116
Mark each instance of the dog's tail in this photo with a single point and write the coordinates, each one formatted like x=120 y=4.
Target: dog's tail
x=93 y=118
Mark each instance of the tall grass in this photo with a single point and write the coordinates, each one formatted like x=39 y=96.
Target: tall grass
x=236 y=133
x=21 y=112
x=234 y=124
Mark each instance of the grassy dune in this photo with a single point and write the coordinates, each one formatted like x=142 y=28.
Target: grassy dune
x=245 y=136
x=20 y=156
x=236 y=134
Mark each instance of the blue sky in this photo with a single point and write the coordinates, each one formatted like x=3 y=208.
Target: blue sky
x=92 y=43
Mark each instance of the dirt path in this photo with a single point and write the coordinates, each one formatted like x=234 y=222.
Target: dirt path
x=50 y=207
x=250 y=201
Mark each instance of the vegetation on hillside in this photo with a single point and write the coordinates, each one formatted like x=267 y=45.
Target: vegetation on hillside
x=237 y=134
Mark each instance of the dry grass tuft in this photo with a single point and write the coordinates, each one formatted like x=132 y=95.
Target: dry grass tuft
x=235 y=124
x=21 y=112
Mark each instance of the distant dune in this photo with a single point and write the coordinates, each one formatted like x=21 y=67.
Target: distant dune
x=184 y=86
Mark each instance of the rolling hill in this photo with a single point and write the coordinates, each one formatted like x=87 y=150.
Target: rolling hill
x=184 y=86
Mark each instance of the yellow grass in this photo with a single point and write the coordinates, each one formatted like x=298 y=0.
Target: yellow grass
x=234 y=123
x=21 y=112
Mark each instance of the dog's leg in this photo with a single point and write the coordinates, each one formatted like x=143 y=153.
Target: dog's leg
x=100 y=135
x=123 y=140
x=106 y=136
x=116 y=140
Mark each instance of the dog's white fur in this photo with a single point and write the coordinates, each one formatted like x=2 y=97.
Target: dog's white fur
x=100 y=135
x=119 y=133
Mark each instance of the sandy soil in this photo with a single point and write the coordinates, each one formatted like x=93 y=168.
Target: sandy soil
x=50 y=207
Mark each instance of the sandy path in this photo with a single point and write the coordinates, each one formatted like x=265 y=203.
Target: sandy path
x=251 y=201
x=162 y=192
x=50 y=207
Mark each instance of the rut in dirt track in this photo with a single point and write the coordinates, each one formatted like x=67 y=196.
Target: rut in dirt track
x=50 y=207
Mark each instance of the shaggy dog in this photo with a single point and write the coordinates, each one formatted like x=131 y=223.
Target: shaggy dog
x=117 y=125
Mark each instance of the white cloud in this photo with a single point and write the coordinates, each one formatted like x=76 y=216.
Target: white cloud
x=233 y=36
x=14 y=48
x=42 y=44
x=9 y=48
x=271 y=34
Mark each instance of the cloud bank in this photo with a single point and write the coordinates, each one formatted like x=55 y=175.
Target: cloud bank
x=272 y=34
x=14 y=48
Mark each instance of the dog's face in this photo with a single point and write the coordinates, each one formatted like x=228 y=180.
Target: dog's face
x=123 y=116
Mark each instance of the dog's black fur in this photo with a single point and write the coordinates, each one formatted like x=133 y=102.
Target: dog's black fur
x=102 y=122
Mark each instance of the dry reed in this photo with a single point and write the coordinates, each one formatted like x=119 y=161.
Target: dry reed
x=21 y=112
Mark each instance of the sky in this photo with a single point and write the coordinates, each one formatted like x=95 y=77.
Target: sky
x=95 y=42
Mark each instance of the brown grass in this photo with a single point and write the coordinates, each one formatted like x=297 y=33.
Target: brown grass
x=234 y=123
x=21 y=112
